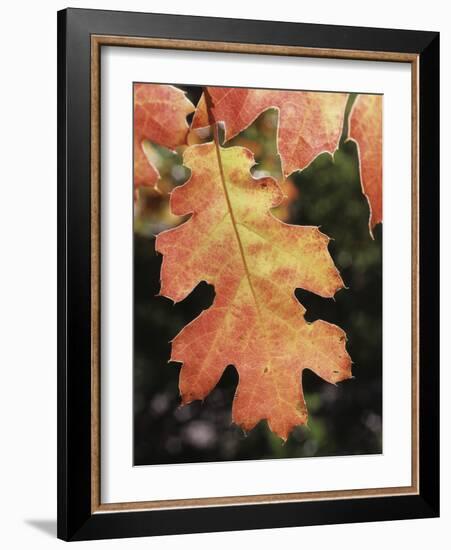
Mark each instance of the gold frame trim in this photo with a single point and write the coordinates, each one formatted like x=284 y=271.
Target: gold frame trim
x=97 y=41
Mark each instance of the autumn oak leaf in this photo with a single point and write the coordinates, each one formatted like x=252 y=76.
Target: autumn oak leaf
x=365 y=128
x=255 y=262
x=310 y=123
x=159 y=113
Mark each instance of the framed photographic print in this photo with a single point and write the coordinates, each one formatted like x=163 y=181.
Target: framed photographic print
x=248 y=274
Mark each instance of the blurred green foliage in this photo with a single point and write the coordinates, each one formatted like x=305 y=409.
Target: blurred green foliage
x=345 y=419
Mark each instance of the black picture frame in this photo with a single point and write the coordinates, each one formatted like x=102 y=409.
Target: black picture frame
x=76 y=519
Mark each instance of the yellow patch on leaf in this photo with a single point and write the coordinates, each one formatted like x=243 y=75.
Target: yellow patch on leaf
x=365 y=128
x=310 y=123
x=255 y=262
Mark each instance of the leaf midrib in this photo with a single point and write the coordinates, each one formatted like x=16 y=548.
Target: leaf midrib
x=233 y=220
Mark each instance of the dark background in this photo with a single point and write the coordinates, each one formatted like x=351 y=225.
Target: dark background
x=343 y=420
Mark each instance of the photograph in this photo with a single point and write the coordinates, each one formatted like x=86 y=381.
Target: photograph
x=257 y=273
x=226 y=253
x=248 y=247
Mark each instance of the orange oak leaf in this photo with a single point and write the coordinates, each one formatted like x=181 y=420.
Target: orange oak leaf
x=365 y=128
x=310 y=123
x=159 y=116
x=255 y=262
